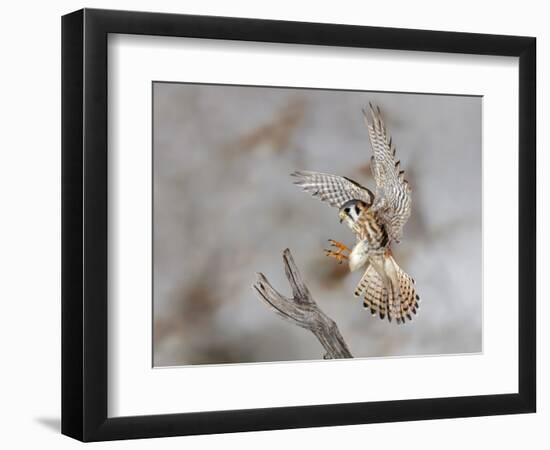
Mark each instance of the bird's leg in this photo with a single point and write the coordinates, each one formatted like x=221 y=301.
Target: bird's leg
x=359 y=256
x=337 y=251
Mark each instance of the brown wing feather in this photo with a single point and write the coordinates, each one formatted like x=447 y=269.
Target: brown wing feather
x=393 y=193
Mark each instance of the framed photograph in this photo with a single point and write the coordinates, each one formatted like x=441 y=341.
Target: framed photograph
x=273 y=224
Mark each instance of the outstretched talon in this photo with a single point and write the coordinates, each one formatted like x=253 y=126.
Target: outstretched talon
x=337 y=251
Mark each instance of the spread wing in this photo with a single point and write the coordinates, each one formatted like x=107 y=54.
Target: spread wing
x=393 y=193
x=332 y=189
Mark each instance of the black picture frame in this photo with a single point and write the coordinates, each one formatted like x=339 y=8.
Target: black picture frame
x=84 y=224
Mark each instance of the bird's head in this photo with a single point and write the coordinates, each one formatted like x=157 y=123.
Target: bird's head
x=350 y=212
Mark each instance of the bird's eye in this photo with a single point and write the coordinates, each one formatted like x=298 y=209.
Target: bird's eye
x=346 y=210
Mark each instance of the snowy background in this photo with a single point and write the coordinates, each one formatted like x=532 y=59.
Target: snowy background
x=225 y=208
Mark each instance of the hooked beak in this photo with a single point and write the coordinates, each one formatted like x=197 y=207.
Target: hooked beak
x=341 y=216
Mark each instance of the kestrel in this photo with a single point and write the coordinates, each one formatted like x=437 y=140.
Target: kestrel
x=377 y=220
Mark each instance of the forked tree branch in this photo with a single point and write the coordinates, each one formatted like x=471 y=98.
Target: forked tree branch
x=302 y=310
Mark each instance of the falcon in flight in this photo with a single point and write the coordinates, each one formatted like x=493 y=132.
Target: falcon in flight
x=377 y=220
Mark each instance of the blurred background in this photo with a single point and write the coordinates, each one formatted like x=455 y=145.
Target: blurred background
x=225 y=208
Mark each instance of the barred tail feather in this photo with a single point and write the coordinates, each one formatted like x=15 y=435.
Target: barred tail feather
x=409 y=297
x=399 y=306
x=375 y=295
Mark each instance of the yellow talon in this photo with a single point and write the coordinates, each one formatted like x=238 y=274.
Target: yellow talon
x=338 y=254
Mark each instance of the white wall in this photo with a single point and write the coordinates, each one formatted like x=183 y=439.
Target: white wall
x=30 y=223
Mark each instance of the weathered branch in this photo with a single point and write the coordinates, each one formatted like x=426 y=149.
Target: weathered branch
x=302 y=310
